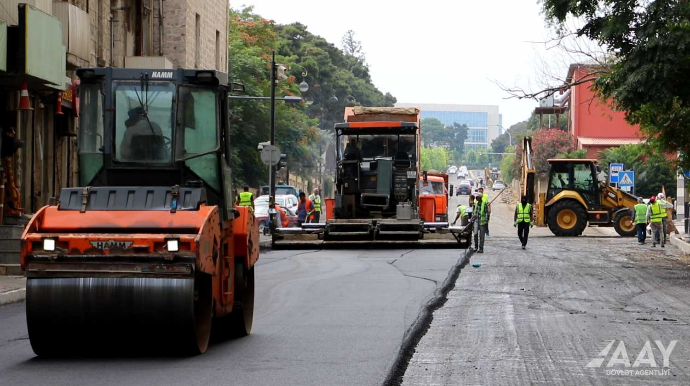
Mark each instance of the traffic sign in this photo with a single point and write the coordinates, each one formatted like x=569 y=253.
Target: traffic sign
x=686 y=174
x=270 y=155
x=614 y=169
x=626 y=179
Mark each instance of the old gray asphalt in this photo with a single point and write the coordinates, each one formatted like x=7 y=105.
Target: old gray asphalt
x=540 y=316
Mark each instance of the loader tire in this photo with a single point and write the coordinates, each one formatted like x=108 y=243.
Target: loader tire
x=567 y=218
x=624 y=225
x=242 y=316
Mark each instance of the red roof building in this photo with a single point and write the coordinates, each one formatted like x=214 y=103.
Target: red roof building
x=595 y=125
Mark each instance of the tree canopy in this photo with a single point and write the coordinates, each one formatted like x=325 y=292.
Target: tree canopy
x=649 y=43
x=302 y=131
x=436 y=134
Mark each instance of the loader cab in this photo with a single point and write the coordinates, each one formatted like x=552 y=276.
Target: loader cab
x=574 y=175
x=141 y=127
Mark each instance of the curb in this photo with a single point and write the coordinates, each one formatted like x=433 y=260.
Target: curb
x=265 y=246
x=680 y=243
x=14 y=296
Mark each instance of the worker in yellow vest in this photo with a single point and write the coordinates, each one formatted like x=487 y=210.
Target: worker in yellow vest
x=316 y=200
x=640 y=216
x=464 y=211
x=247 y=198
x=523 y=220
x=655 y=214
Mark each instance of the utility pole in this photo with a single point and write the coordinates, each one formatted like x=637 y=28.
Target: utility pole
x=272 y=168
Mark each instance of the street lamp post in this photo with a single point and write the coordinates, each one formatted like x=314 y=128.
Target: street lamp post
x=510 y=137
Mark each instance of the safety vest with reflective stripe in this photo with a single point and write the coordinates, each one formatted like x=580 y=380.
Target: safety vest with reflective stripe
x=316 y=199
x=523 y=213
x=246 y=198
x=483 y=213
x=462 y=209
x=657 y=213
x=640 y=214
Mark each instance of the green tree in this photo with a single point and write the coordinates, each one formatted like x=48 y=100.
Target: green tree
x=575 y=154
x=506 y=167
x=548 y=144
x=251 y=39
x=653 y=170
x=649 y=45
x=336 y=79
x=471 y=157
x=436 y=134
x=434 y=158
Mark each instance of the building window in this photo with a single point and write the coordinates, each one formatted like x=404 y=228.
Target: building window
x=468 y=118
x=197 y=41
x=218 y=67
x=477 y=135
x=475 y=146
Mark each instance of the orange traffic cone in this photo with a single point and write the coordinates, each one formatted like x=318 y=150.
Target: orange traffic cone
x=24 y=102
x=58 y=108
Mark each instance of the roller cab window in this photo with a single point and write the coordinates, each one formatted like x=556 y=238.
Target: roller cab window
x=144 y=122
x=91 y=131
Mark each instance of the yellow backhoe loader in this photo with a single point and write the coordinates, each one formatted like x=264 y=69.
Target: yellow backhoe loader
x=575 y=197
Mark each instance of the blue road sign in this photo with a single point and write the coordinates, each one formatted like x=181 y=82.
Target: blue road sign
x=614 y=169
x=686 y=173
x=626 y=179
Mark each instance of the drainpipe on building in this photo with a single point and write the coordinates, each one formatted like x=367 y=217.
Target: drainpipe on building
x=160 y=27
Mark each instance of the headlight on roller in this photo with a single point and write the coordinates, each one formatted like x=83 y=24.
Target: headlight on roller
x=173 y=245
x=48 y=244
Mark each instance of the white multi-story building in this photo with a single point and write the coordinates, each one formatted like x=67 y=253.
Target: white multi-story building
x=484 y=122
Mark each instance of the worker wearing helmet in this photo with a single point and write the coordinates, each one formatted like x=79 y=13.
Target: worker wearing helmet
x=655 y=214
x=660 y=198
x=640 y=217
x=316 y=200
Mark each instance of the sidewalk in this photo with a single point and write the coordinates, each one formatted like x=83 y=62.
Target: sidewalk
x=12 y=289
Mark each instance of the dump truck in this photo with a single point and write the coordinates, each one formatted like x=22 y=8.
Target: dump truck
x=377 y=181
x=575 y=197
x=149 y=249
x=435 y=184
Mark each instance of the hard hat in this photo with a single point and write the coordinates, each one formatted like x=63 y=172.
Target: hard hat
x=652 y=199
x=660 y=196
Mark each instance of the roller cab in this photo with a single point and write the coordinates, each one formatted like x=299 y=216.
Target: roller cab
x=149 y=253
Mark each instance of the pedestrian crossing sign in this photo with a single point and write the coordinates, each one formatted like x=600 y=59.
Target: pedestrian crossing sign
x=626 y=179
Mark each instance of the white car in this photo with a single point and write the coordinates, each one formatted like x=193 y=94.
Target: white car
x=288 y=201
x=498 y=185
x=452 y=170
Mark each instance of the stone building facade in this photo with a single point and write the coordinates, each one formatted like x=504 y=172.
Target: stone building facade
x=97 y=33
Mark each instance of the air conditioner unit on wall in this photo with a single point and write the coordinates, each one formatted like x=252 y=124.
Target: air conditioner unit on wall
x=546 y=102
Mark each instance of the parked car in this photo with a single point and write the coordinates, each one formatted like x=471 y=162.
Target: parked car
x=498 y=185
x=464 y=188
x=261 y=214
x=288 y=201
x=280 y=190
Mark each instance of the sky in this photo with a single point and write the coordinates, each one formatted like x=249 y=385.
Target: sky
x=438 y=51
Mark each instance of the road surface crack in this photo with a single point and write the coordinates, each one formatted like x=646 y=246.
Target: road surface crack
x=421 y=325
x=392 y=263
